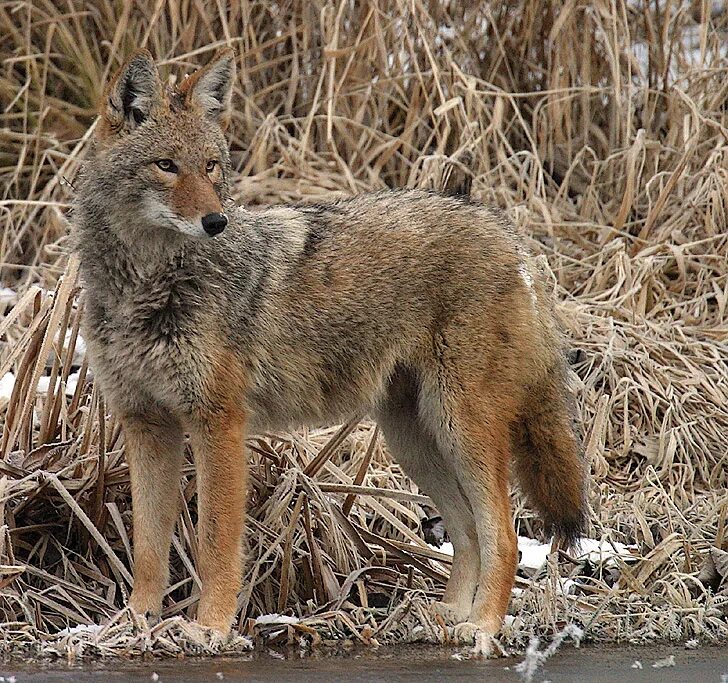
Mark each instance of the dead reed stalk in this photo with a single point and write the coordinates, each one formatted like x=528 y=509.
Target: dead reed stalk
x=601 y=128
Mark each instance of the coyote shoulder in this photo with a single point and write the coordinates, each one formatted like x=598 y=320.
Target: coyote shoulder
x=208 y=319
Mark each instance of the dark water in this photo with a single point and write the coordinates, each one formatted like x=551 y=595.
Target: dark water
x=423 y=664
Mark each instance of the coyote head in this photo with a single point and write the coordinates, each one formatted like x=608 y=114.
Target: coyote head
x=162 y=161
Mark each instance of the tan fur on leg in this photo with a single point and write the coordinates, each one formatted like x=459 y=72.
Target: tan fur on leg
x=421 y=457
x=222 y=479
x=218 y=441
x=154 y=453
x=484 y=466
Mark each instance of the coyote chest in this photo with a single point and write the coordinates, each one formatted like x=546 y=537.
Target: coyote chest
x=149 y=346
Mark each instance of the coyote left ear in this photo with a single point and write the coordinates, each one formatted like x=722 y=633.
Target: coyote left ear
x=130 y=95
x=210 y=87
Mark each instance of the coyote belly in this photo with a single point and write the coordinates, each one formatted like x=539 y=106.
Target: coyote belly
x=423 y=310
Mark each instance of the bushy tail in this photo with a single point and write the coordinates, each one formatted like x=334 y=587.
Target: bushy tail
x=548 y=459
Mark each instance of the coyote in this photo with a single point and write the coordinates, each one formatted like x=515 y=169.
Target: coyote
x=208 y=319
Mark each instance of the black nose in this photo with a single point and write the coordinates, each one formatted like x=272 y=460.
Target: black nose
x=214 y=223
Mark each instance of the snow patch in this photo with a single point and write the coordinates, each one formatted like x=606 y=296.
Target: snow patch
x=445 y=548
x=567 y=586
x=7 y=382
x=71 y=384
x=601 y=551
x=79 y=349
x=8 y=297
x=534 y=554
x=275 y=619
x=81 y=628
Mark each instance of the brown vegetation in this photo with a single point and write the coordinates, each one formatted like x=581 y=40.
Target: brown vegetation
x=601 y=128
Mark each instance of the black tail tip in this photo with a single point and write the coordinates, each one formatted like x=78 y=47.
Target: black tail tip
x=568 y=532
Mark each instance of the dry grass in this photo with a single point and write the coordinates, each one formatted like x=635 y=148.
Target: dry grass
x=601 y=128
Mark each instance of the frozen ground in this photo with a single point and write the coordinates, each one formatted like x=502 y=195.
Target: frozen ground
x=425 y=664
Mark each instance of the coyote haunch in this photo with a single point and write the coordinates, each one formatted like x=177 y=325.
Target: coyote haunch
x=205 y=318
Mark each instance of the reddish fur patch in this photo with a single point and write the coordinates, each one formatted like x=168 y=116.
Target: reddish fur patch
x=549 y=462
x=154 y=455
x=491 y=446
x=194 y=196
x=222 y=469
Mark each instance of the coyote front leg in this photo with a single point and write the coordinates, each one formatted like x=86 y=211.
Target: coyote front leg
x=154 y=454
x=222 y=478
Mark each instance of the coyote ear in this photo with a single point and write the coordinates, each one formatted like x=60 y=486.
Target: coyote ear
x=210 y=87
x=130 y=95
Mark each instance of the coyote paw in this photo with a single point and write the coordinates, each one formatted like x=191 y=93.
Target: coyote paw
x=206 y=639
x=465 y=632
x=450 y=612
x=483 y=642
x=146 y=605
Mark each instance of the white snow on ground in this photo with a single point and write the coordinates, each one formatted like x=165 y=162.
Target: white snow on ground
x=81 y=628
x=275 y=619
x=7 y=382
x=79 y=349
x=567 y=586
x=599 y=551
x=534 y=554
x=8 y=296
x=445 y=548
x=72 y=383
x=44 y=383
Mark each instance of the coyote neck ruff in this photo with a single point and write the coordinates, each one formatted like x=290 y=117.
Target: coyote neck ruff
x=205 y=318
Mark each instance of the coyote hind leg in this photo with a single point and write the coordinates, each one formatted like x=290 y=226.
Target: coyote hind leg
x=415 y=449
x=483 y=455
x=473 y=428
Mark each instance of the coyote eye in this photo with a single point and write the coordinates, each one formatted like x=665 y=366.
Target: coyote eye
x=166 y=165
x=211 y=165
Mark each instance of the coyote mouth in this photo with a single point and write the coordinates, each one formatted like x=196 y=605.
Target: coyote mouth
x=160 y=215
